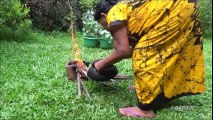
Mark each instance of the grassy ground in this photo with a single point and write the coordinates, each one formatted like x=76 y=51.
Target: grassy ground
x=33 y=85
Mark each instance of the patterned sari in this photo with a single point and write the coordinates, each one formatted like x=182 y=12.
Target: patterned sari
x=168 y=56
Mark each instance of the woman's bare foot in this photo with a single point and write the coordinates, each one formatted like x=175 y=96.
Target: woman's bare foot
x=136 y=112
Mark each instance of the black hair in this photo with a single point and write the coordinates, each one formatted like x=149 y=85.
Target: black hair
x=103 y=7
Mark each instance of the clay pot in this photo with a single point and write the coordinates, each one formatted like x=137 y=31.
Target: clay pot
x=71 y=70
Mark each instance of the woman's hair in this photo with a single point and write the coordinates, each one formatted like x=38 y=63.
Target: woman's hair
x=103 y=7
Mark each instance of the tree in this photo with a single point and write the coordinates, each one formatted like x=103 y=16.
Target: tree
x=13 y=17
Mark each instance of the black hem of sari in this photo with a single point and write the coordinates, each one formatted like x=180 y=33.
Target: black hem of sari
x=160 y=101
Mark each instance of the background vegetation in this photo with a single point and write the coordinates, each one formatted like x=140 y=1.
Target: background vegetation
x=49 y=15
x=14 y=23
x=206 y=17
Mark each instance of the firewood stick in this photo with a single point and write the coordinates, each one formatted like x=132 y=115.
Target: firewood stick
x=122 y=77
x=85 y=89
x=84 y=71
x=79 y=84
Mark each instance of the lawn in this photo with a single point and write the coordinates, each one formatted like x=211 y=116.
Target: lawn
x=33 y=84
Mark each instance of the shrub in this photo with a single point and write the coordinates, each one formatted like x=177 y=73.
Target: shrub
x=49 y=15
x=91 y=27
x=13 y=20
x=87 y=4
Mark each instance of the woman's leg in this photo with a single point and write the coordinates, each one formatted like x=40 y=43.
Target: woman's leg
x=136 y=112
x=146 y=110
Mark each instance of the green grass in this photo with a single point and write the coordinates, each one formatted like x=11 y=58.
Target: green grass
x=33 y=85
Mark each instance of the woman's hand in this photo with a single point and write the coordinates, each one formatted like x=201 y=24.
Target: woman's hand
x=121 y=45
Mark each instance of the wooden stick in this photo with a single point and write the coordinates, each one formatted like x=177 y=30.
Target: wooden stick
x=85 y=89
x=70 y=7
x=84 y=71
x=122 y=77
x=79 y=84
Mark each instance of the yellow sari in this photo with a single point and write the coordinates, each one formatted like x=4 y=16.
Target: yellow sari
x=168 y=55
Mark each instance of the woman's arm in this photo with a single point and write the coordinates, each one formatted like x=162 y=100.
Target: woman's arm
x=122 y=48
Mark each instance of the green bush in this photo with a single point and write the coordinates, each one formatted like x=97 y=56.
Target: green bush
x=80 y=7
x=88 y=4
x=91 y=27
x=84 y=6
x=206 y=17
x=56 y=14
x=13 y=20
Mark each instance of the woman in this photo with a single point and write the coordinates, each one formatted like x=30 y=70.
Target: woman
x=164 y=40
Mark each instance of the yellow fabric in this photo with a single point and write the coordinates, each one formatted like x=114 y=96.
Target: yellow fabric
x=168 y=55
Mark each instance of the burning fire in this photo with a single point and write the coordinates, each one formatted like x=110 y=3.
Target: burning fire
x=76 y=51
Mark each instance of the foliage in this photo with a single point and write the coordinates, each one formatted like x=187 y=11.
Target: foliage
x=22 y=33
x=13 y=19
x=206 y=17
x=50 y=15
x=91 y=27
x=106 y=35
x=33 y=85
x=88 y=4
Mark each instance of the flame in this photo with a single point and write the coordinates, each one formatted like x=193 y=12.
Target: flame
x=76 y=51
